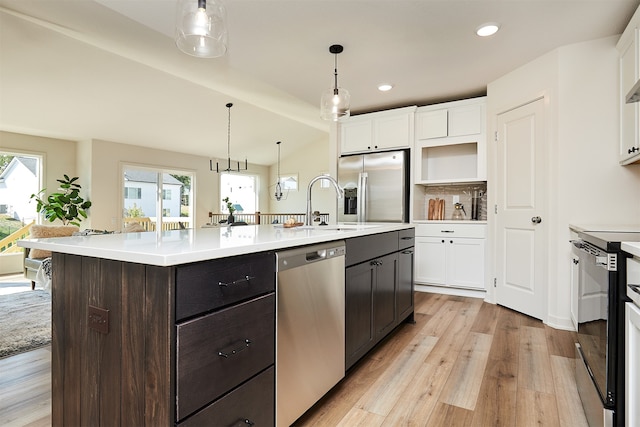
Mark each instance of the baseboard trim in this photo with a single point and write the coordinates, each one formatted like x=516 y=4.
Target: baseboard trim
x=451 y=291
x=560 y=323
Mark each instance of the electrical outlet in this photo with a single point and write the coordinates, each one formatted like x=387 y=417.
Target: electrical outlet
x=456 y=199
x=99 y=319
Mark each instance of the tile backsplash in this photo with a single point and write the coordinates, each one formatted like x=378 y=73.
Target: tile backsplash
x=447 y=192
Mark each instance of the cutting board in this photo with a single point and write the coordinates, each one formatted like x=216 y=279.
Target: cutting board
x=436 y=209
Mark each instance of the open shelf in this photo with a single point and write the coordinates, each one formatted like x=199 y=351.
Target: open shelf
x=458 y=162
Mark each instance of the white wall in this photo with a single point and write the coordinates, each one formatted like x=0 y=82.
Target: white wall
x=308 y=162
x=586 y=183
x=106 y=160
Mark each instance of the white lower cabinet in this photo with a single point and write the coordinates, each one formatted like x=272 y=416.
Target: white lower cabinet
x=632 y=365
x=450 y=255
x=575 y=291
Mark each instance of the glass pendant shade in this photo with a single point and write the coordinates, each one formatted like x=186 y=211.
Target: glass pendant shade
x=201 y=28
x=335 y=104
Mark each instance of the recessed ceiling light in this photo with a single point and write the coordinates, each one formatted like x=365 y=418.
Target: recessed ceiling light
x=385 y=87
x=488 y=29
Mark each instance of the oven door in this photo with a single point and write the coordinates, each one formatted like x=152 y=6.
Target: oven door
x=594 y=306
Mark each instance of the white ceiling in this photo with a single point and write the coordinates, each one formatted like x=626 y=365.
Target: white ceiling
x=109 y=69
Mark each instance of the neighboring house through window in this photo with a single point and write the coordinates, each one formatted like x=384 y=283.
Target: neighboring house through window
x=20 y=177
x=241 y=190
x=142 y=186
x=132 y=193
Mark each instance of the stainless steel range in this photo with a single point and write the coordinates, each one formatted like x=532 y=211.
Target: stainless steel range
x=600 y=368
x=632 y=353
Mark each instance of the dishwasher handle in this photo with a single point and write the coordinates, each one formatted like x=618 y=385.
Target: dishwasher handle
x=316 y=255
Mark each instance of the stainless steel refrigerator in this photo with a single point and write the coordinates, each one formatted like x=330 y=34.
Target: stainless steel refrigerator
x=376 y=187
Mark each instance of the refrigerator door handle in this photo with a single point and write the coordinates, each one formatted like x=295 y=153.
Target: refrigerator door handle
x=362 y=196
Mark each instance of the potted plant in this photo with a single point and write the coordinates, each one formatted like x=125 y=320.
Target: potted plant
x=231 y=209
x=65 y=205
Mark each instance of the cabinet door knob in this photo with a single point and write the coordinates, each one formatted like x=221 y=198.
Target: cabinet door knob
x=442 y=240
x=536 y=220
x=450 y=241
x=632 y=150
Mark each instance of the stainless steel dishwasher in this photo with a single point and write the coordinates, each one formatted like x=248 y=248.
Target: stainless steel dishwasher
x=310 y=328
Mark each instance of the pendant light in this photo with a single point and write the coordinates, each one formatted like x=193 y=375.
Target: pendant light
x=335 y=101
x=201 y=28
x=278 y=193
x=228 y=169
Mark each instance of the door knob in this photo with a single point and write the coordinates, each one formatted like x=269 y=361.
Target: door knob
x=536 y=220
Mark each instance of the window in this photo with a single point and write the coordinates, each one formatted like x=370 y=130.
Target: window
x=132 y=193
x=289 y=182
x=241 y=190
x=20 y=177
x=142 y=186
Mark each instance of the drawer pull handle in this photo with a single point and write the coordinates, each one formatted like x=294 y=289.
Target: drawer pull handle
x=241 y=423
x=406 y=238
x=447 y=231
x=407 y=252
x=235 y=282
x=226 y=354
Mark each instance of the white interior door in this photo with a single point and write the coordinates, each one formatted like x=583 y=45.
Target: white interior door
x=521 y=242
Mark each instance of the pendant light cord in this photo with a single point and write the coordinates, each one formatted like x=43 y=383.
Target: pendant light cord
x=229 y=105
x=278 y=161
x=335 y=74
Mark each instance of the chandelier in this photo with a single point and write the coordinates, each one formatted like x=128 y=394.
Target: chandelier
x=228 y=169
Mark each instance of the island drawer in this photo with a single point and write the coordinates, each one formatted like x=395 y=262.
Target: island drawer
x=406 y=238
x=360 y=249
x=209 y=285
x=219 y=351
x=254 y=402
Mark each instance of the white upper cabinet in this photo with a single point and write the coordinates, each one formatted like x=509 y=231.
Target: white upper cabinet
x=449 y=122
x=450 y=142
x=432 y=124
x=629 y=74
x=380 y=131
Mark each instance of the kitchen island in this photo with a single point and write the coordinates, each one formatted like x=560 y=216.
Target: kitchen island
x=177 y=327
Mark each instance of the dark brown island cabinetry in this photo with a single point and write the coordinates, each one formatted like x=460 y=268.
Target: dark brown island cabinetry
x=379 y=289
x=143 y=345
x=194 y=344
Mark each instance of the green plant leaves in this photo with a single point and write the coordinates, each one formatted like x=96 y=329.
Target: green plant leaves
x=67 y=205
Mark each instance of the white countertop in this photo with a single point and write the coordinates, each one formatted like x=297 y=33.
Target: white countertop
x=184 y=246
x=579 y=228
x=631 y=247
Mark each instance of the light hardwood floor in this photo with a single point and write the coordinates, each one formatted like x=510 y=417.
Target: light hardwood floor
x=463 y=363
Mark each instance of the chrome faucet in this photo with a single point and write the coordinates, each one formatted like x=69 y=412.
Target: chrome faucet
x=308 y=220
